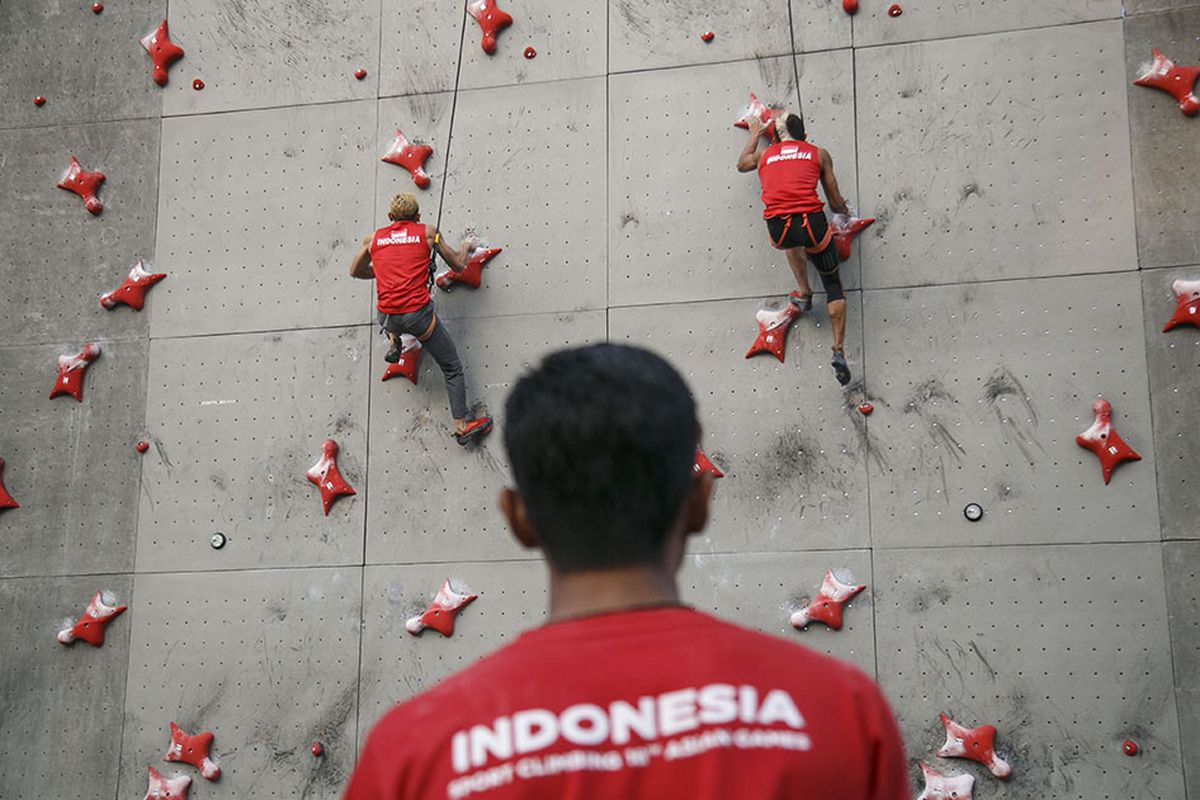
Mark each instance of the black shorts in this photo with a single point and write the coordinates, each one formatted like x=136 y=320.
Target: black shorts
x=810 y=231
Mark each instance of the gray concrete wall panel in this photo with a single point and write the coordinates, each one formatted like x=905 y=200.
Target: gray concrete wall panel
x=981 y=391
x=89 y=67
x=792 y=451
x=530 y=187
x=433 y=501
x=396 y=665
x=57 y=258
x=1165 y=169
x=652 y=34
x=873 y=25
x=421 y=45
x=570 y=37
x=267 y=661
x=819 y=25
x=271 y=53
x=1150 y=6
x=424 y=119
x=1064 y=649
x=988 y=160
x=60 y=721
x=1173 y=360
x=235 y=422
x=1181 y=561
x=259 y=214
x=71 y=466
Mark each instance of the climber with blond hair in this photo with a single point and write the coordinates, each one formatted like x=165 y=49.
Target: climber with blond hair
x=399 y=257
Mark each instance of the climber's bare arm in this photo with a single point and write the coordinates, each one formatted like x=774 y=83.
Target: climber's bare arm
x=829 y=181
x=361 y=267
x=748 y=160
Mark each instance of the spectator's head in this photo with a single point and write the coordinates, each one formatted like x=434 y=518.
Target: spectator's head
x=404 y=206
x=602 y=443
x=790 y=127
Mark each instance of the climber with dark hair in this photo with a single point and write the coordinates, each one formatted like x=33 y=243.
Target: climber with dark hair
x=398 y=257
x=789 y=170
x=625 y=691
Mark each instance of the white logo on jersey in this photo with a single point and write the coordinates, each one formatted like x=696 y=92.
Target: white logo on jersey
x=397 y=237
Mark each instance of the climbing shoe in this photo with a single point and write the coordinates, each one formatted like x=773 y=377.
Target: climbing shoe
x=476 y=430
x=801 y=301
x=840 y=368
x=394 y=352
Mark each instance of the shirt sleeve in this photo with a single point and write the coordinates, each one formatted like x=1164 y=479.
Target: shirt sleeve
x=375 y=776
x=888 y=768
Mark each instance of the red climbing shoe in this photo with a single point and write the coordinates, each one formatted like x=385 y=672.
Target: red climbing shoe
x=801 y=301
x=476 y=429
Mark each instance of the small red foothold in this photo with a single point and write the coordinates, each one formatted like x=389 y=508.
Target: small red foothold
x=317 y=749
x=895 y=10
x=102 y=610
x=1187 y=304
x=163 y=52
x=325 y=476
x=765 y=114
x=865 y=409
x=1179 y=82
x=942 y=787
x=85 y=184
x=472 y=274
x=1104 y=442
x=197 y=84
x=441 y=612
x=845 y=229
x=410 y=156
x=827 y=605
x=491 y=21
x=97 y=8
x=142 y=447
x=39 y=101
x=707 y=36
x=6 y=499
x=704 y=464
x=850 y=6
x=1129 y=747
x=530 y=52
x=167 y=788
x=976 y=744
x=360 y=73
x=133 y=291
x=71 y=370
x=410 y=359
x=772 y=330
x=193 y=750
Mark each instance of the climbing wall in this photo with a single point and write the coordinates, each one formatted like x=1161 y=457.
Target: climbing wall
x=1034 y=233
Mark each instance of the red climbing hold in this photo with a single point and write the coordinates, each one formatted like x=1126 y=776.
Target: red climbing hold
x=530 y=52
x=772 y=330
x=197 y=84
x=325 y=476
x=491 y=20
x=83 y=183
x=765 y=114
x=1179 y=82
x=895 y=10
x=163 y=52
x=850 y=6
x=133 y=291
x=410 y=359
x=472 y=273
x=1187 y=304
x=976 y=744
x=193 y=750
x=410 y=156
x=827 y=605
x=845 y=228
x=865 y=409
x=97 y=8
x=167 y=788
x=71 y=370
x=102 y=610
x=360 y=73
x=707 y=36
x=704 y=464
x=6 y=499
x=142 y=447
x=942 y=787
x=1105 y=442
x=441 y=612
x=317 y=749
x=1129 y=747
x=39 y=101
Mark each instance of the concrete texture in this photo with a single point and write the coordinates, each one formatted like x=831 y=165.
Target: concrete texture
x=953 y=18
x=1182 y=563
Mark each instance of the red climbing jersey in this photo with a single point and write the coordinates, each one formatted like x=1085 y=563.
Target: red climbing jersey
x=789 y=172
x=657 y=703
x=400 y=258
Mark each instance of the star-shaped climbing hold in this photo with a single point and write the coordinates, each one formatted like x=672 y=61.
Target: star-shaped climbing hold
x=704 y=464
x=133 y=291
x=1179 y=82
x=845 y=228
x=411 y=156
x=167 y=788
x=163 y=52
x=193 y=750
x=827 y=605
x=410 y=359
x=6 y=499
x=102 y=610
x=976 y=744
x=441 y=612
x=1105 y=442
x=491 y=20
x=85 y=184
x=772 y=330
x=765 y=114
x=1187 y=304
x=942 y=787
x=71 y=370
x=325 y=476
x=472 y=274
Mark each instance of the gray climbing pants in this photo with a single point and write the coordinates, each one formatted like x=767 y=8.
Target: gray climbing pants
x=439 y=345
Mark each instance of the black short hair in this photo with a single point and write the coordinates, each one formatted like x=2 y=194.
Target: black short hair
x=795 y=126
x=602 y=442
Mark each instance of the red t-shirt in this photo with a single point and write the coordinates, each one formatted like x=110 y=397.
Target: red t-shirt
x=400 y=258
x=789 y=172
x=658 y=703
